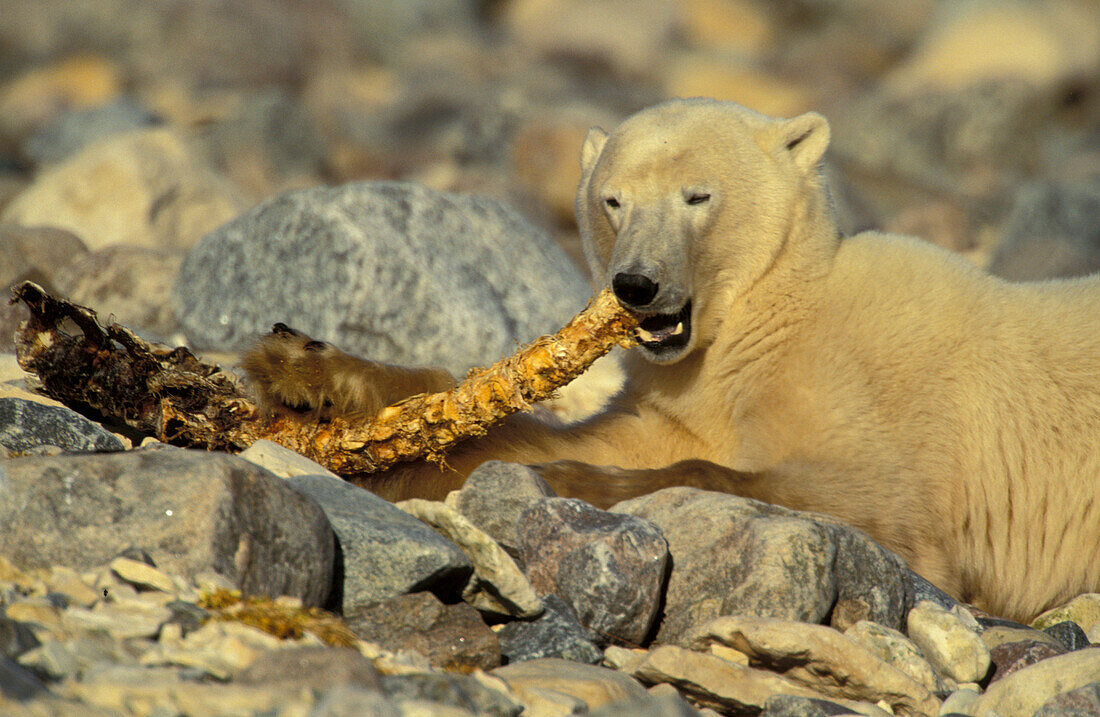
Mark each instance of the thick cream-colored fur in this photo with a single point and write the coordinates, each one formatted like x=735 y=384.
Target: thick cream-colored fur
x=879 y=379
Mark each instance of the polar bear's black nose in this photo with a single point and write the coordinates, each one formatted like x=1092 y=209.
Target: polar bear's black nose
x=634 y=290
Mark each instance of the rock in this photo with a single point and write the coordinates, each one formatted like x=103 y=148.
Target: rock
x=15 y=638
x=452 y=637
x=1041 y=43
x=315 y=668
x=996 y=635
x=462 y=691
x=73 y=131
x=1083 y=610
x=36 y=253
x=791 y=706
x=594 y=686
x=17 y=683
x=268 y=143
x=951 y=646
x=219 y=648
x=556 y=633
x=51 y=660
x=130 y=284
x=497 y=585
x=347 y=701
x=1010 y=657
x=35 y=612
x=660 y=705
x=38 y=95
x=142 y=575
x=493 y=497
x=575 y=29
x=732 y=555
x=1069 y=634
x=142 y=188
x=362 y=265
x=193 y=511
x=737 y=26
x=610 y=569
x=896 y=650
x=961 y=701
x=819 y=658
x=282 y=461
x=713 y=682
x=383 y=551
x=187 y=616
x=1081 y=702
x=1050 y=232
x=717 y=76
x=1025 y=691
x=27 y=426
x=70 y=584
x=543 y=156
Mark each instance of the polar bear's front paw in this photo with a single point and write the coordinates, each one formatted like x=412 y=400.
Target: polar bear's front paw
x=293 y=373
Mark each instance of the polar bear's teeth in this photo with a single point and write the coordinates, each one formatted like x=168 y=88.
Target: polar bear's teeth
x=678 y=330
x=645 y=336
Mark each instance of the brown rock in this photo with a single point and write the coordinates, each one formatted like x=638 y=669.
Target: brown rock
x=1025 y=691
x=818 y=658
x=739 y=26
x=36 y=253
x=703 y=75
x=452 y=637
x=544 y=158
x=317 y=668
x=1011 y=657
x=713 y=682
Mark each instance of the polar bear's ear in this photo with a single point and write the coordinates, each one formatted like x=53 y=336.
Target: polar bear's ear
x=805 y=137
x=590 y=150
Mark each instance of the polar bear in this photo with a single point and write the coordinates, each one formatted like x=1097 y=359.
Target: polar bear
x=951 y=415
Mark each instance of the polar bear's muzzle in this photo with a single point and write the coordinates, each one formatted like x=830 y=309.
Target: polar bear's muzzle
x=664 y=336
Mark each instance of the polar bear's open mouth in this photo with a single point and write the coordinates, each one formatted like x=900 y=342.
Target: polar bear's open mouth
x=665 y=334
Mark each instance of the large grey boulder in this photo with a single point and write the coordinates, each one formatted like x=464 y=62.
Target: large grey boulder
x=191 y=511
x=392 y=271
x=736 y=556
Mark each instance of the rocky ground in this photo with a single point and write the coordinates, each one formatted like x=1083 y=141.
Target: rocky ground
x=397 y=178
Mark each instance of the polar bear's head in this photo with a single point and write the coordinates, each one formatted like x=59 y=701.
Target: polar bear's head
x=685 y=205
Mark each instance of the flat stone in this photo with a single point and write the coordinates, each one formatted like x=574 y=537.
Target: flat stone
x=393 y=271
x=462 y=691
x=1000 y=634
x=660 y=705
x=385 y=552
x=609 y=568
x=219 y=648
x=142 y=575
x=68 y=582
x=895 y=649
x=282 y=461
x=37 y=611
x=1025 y=691
x=735 y=556
x=819 y=658
x=495 y=494
x=556 y=633
x=949 y=644
x=497 y=585
x=26 y=426
x=193 y=511
x=452 y=637
x=713 y=682
x=594 y=686
x=52 y=659
x=119 y=623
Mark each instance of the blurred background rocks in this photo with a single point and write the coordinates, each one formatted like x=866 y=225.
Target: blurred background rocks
x=131 y=130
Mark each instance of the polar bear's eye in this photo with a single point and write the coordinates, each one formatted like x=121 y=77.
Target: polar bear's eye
x=698 y=198
x=612 y=202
